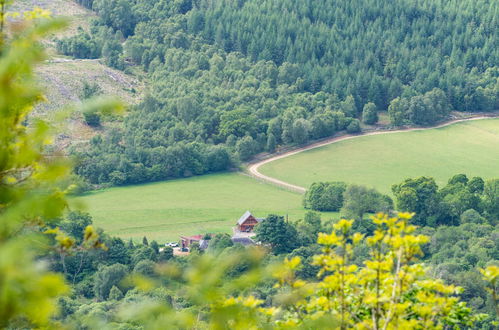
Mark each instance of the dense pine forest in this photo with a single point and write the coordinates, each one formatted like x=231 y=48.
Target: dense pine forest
x=230 y=79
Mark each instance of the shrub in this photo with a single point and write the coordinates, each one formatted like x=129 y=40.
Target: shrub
x=369 y=114
x=325 y=196
x=92 y=118
x=354 y=126
x=115 y=293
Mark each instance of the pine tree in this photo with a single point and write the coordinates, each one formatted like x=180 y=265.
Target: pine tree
x=271 y=143
x=370 y=114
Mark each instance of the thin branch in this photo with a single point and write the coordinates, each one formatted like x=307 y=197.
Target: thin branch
x=394 y=290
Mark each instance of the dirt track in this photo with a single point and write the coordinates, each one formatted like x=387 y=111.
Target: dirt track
x=253 y=168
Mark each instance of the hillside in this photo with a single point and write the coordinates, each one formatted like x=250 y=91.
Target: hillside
x=62 y=77
x=79 y=16
x=234 y=78
x=354 y=90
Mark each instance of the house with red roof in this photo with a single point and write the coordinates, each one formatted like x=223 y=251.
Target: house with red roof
x=247 y=222
x=186 y=241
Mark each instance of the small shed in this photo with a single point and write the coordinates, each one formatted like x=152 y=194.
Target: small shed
x=245 y=241
x=247 y=222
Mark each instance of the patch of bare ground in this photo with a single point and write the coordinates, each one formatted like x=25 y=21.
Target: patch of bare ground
x=62 y=78
x=63 y=81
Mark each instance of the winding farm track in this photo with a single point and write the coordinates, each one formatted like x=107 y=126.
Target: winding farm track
x=253 y=168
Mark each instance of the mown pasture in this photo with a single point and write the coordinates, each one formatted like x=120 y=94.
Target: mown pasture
x=197 y=205
x=470 y=147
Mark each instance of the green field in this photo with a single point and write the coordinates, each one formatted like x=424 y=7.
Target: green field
x=379 y=161
x=165 y=210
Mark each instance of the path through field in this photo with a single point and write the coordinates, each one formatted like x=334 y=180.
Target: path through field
x=253 y=169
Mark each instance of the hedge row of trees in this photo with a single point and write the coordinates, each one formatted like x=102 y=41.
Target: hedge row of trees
x=353 y=201
x=254 y=75
x=101 y=42
x=462 y=200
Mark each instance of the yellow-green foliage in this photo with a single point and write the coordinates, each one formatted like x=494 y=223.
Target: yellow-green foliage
x=30 y=199
x=216 y=301
x=491 y=275
x=27 y=197
x=390 y=291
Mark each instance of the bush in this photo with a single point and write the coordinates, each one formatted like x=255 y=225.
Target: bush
x=359 y=200
x=92 y=118
x=369 y=114
x=143 y=253
x=145 y=268
x=90 y=90
x=354 y=126
x=325 y=196
x=472 y=216
x=85 y=288
x=106 y=278
x=166 y=254
x=115 y=293
x=246 y=148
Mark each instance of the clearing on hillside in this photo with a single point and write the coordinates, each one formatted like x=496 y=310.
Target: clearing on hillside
x=62 y=77
x=78 y=16
x=206 y=204
x=470 y=147
x=63 y=84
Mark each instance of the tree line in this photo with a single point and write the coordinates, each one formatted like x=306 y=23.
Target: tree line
x=461 y=200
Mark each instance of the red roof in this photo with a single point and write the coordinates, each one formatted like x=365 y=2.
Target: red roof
x=193 y=238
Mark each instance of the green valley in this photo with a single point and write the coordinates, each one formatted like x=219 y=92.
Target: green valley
x=249 y=164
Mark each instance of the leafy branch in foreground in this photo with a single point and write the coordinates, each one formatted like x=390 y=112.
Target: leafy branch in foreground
x=491 y=275
x=389 y=291
x=27 y=179
x=30 y=200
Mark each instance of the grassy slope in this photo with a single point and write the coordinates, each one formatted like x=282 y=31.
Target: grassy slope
x=62 y=78
x=63 y=82
x=78 y=16
x=197 y=205
x=380 y=161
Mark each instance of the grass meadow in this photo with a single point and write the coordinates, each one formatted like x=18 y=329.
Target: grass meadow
x=197 y=205
x=379 y=161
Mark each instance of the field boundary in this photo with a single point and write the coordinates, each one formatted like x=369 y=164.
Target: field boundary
x=253 y=168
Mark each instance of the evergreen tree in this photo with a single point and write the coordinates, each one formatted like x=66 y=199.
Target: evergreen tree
x=280 y=235
x=271 y=143
x=369 y=114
